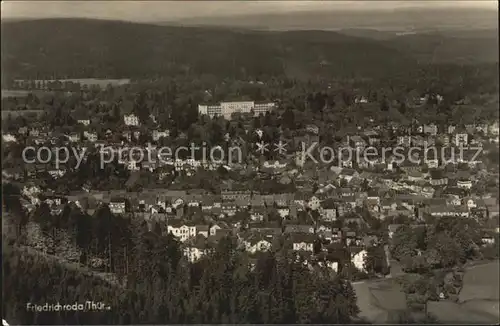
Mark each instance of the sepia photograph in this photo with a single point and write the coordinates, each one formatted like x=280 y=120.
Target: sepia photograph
x=250 y=162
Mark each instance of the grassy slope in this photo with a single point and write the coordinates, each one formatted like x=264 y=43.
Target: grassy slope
x=481 y=282
x=478 y=297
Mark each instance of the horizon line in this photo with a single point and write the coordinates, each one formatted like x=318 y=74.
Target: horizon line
x=154 y=20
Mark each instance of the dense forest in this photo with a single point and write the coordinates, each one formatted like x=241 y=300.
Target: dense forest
x=162 y=288
x=54 y=48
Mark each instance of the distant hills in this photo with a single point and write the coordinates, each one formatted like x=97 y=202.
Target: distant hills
x=78 y=48
x=417 y=18
x=460 y=46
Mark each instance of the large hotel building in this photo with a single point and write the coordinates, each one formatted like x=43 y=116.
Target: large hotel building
x=225 y=109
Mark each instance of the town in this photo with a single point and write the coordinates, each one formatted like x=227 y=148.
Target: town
x=337 y=204
x=290 y=181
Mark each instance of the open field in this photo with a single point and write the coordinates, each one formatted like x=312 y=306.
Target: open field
x=481 y=282
x=377 y=299
x=450 y=312
x=478 y=300
x=483 y=306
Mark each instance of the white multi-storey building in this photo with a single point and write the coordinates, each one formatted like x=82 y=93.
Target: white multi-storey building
x=263 y=108
x=211 y=110
x=226 y=109
x=229 y=108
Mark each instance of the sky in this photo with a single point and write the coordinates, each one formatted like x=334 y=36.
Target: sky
x=149 y=11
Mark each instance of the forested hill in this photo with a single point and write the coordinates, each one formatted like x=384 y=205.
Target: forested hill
x=27 y=278
x=80 y=48
x=467 y=47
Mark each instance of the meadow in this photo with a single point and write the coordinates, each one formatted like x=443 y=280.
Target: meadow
x=478 y=299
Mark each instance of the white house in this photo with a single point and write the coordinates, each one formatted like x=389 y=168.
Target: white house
x=257 y=245
x=432 y=163
x=493 y=129
x=361 y=99
x=132 y=165
x=470 y=203
x=74 y=137
x=461 y=139
x=117 y=206
x=430 y=129
x=464 y=184
x=303 y=242
x=358 y=260
x=404 y=141
x=131 y=120
x=9 y=138
x=57 y=173
x=283 y=211
x=91 y=136
x=157 y=134
x=29 y=191
x=428 y=192
x=194 y=252
x=84 y=122
x=183 y=232
x=213 y=229
x=303 y=246
x=274 y=165
x=329 y=214
x=333 y=265
x=314 y=203
x=454 y=200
